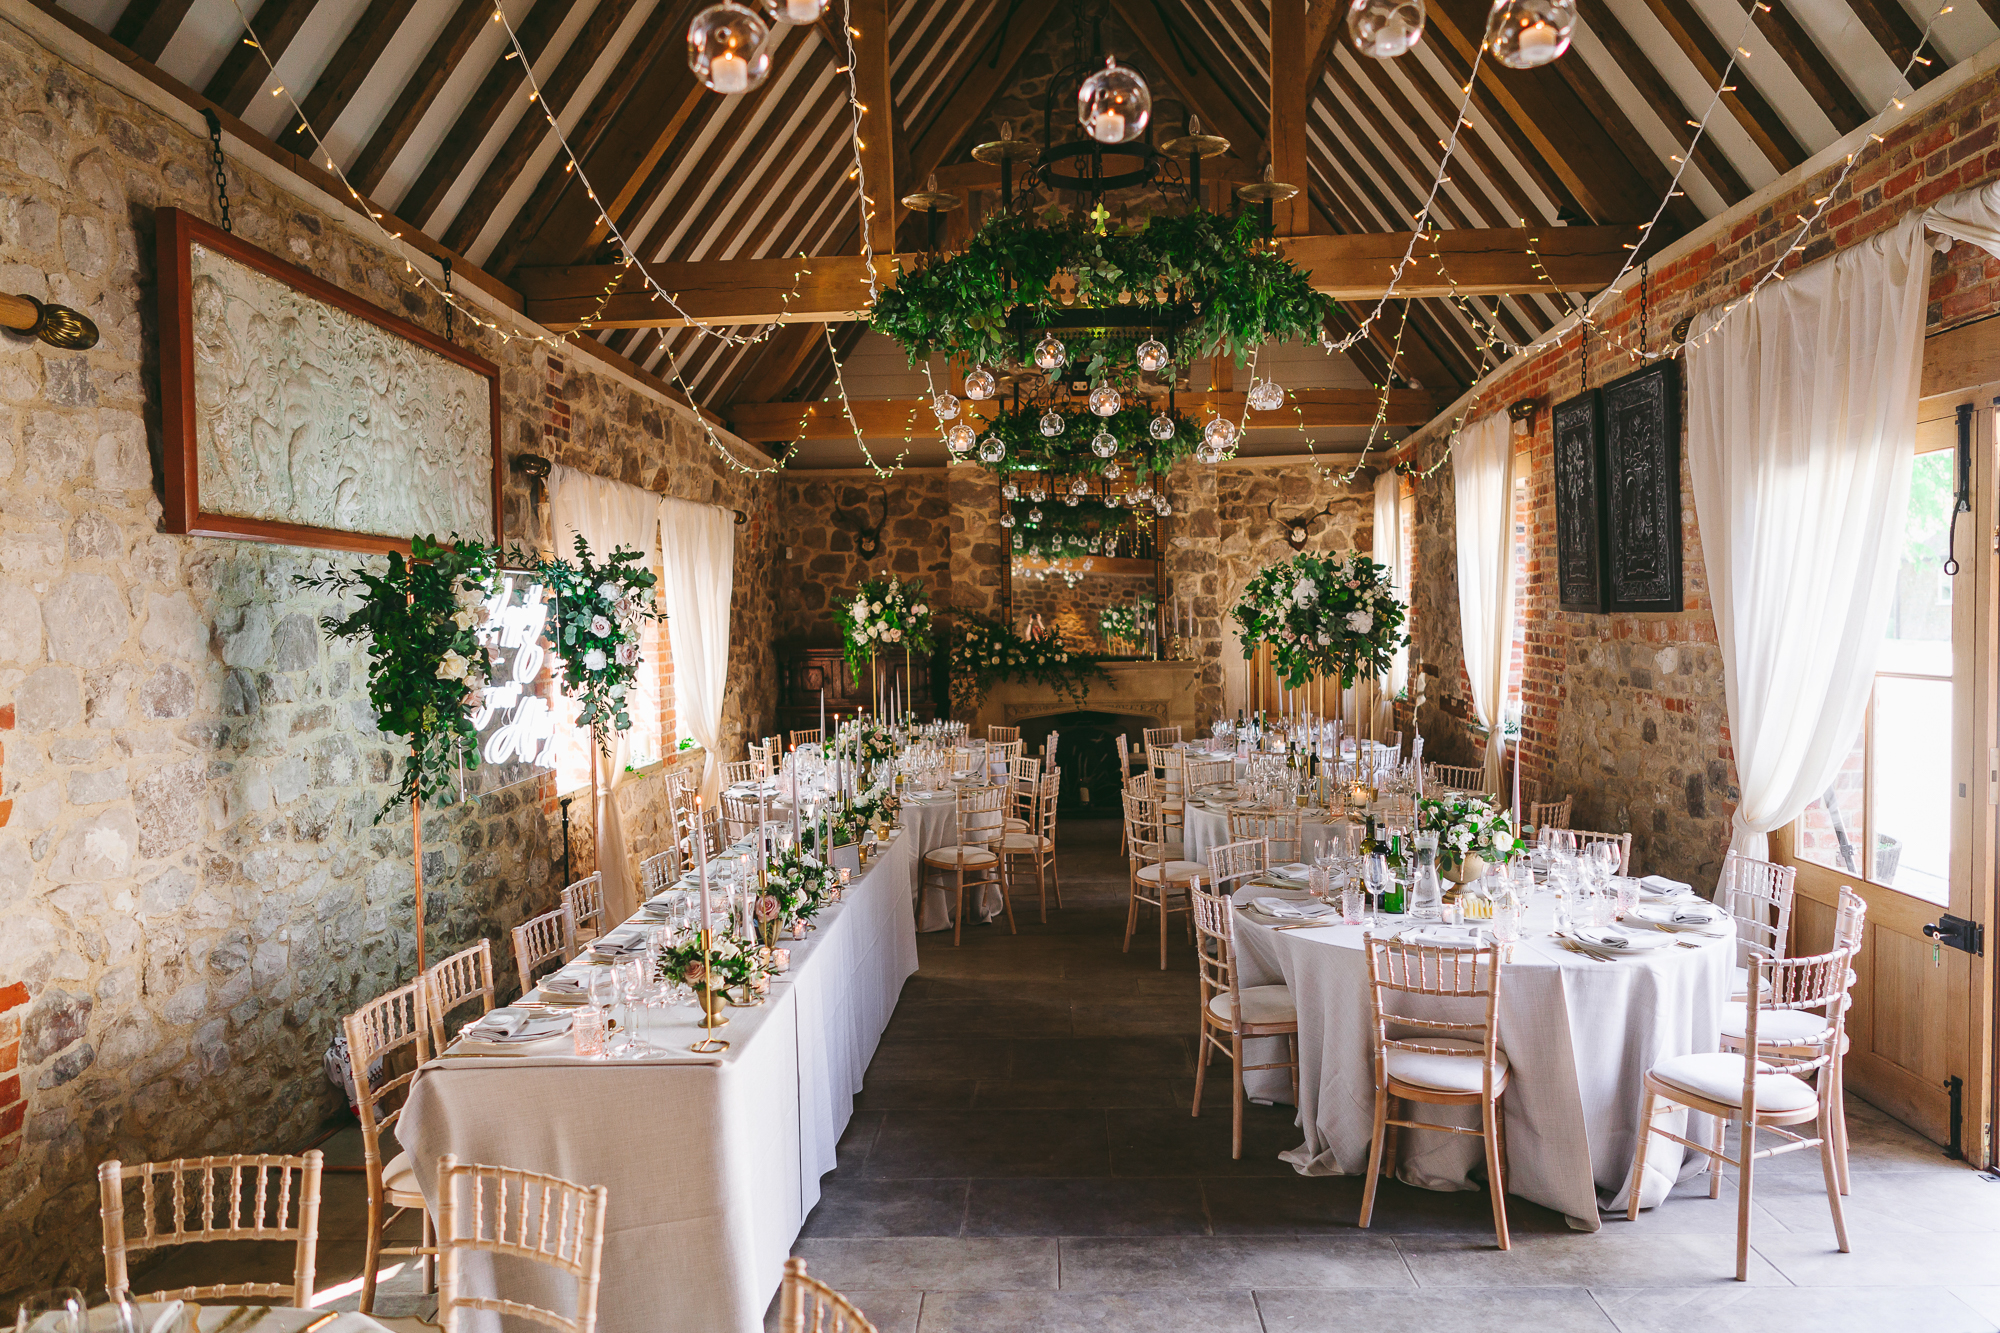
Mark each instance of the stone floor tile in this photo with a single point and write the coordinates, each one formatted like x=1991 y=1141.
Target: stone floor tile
x=1606 y=1258
x=1884 y=1258
x=1499 y=1310
x=931 y=1264
x=889 y=1311
x=1086 y=1208
x=851 y=1207
x=1074 y=1093
x=1221 y=1262
x=990 y=1143
x=1089 y=1312
x=1741 y=1309
x=1173 y=1143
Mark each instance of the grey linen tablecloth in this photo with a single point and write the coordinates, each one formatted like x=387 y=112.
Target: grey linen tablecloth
x=712 y=1161
x=1579 y=1034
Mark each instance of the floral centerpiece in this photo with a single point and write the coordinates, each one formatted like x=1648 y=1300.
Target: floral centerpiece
x=886 y=612
x=425 y=665
x=1323 y=616
x=600 y=608
x=797 y=885
x=729 y=961
x=1471 y=833
x=1126 y=622
x=871 y=743
x=987 y=650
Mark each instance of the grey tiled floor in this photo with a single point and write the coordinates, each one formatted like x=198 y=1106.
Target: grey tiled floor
x=1022 y=1158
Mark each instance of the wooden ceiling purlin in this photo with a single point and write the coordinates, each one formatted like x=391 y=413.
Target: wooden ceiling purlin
x=1656 y=176
x=1295 y=62
x=331 y=93
x=1666 y=104
x=1898 y=34
x=243 y=69
x=146 y=26
x=372 y=163
x=1709 y=55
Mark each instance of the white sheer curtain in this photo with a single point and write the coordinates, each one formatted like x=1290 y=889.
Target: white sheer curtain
x=1389 y=551
x=1482 y=473
x=607 y=514
x=1802 y=418
x=699 y=544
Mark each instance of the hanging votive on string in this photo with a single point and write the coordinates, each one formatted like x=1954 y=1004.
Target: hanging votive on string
x=1114 y=104
x=992 y=449
x=729 y=48
x=1035 y=514
x=1161 y=427
x=1007 y=519
x=1019 y=541
x=1104 y=444
x=1152 y=355
x=1079 y=486
x=1266 y=396
x=1050 y=354
x=1009 y=490
x=1111 y=471
x=946 y=406
x=1385 y=29
x=1219 y=433
x=979 y=384
x=960 y=438
x=1161 y=507
x=1072 y=500
x=797 y=12
x=1052 y=423
x=1524 y=34
x=1104 y=400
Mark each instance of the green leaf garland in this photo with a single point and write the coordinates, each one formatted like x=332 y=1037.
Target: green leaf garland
x=987 y=650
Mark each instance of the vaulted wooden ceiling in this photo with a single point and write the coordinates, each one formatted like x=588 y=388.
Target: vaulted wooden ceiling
x=427 y=113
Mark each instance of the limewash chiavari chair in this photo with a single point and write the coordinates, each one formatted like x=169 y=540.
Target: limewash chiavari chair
x=1157 y=737
x=762 y=756
x=459 y=979
x=1230 y=1011
x=812 y=737
x=1760 y=1088
x=516 y=1214
x=214 y=1209
x=1002 y=735
x=1024 y=782
x=1037 y=843
x=585 y=901
x=1202 y=773
x=739 y=817
x=548 y=938
x=973 y=860
x=657 y=873
x=1622 y=841
x=377 y=1031
x=1168 y=767
x=1551 y=814
x=1454 y=777
x=704 y=831
x=739 y=770
x=1758 y=894
x=1437 y=1061
x=807 y=1305
x=1049 y=749
x=1158 y=877
x=1282 y=833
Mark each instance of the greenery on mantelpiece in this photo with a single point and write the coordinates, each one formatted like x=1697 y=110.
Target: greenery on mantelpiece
x=985 y=650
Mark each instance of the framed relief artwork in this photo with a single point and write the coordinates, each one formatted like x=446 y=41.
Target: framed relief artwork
x=1642 y=490
x=1579 y=515
x=297 y=413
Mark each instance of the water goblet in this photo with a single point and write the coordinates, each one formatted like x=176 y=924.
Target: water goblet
x=59 y=1310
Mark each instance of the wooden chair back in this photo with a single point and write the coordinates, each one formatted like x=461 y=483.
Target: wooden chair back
x=705 y=832
x=1049 y=749
x=380 y=1031
x=658 y=873
x=1124 y=756
x=1025 y=767
x=1208 y=772
x=1145 y=829
x=585 y=901
x=518 y=1214
x=457 y=980
x=1215 y=939
x=1281 y=833
x=1161 y=736
x=1622 y=841
x=1002 y=735
x=1169 y=767
x=739 y=816
x=246 y=1197
x=762 y=756
x=1551 y=814
x=1051 y=797
x=1003 y=753
x=1470 y=974
x=1850 y=920
x=1819 y=982
x=739 y=770
x=548 y=938
x=807 y=1305
x=1233 y=864
x=812 y=737
x=1759 y=895
x=1454 y=777
x=981 y=816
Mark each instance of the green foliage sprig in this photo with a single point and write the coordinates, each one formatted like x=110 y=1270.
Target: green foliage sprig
x=1067 y=530
x=1069 y=454
x=1323 y=616
x=600 y=607
x=425 y=665
x=987 y=650
x=885 y=613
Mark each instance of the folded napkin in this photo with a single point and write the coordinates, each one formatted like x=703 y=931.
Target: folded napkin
x=1602 y=937
x=1693 y=915
x=1659 y=885
x=513 y=1027
x=1298 y=872
x=1450 y=935
x=620 y=945
x=1303 y=911
x=160 y=1317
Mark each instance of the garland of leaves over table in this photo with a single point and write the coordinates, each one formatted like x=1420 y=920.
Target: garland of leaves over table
x=1067 y=530
x=1213 y=276
x=984 y=651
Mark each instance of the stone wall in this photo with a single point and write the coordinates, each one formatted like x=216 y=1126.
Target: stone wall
x=821 y=512
x=192 y=887
x=1626 y=711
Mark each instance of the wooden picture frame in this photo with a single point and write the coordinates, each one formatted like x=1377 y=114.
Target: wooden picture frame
x=1642 y=490
x=1578 y=447
x=475 y=381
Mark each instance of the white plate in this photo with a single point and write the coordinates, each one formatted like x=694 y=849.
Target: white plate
x=1636 y=941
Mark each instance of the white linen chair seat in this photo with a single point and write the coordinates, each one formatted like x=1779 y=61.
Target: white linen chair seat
x=1718 y=1077
x=1014 y=825
x=1263 y=1006
x=1776 y=1027
x=953 y=857
x=1025 y=842
x=1174 y=872
x=399 y=1180
x=1445 y=1073
x=1739 y=985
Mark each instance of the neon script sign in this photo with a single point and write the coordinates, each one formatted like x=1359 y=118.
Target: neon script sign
x=522 y=724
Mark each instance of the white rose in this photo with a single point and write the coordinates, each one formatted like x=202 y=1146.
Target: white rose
x=451 y=666
x=1360 y=622
x=860 y=608
x=892 y=635
x=1306 y=593
x=920 y=611
x=1502 y=842
x=467 y=617
x=594 y=660
x=600 y=626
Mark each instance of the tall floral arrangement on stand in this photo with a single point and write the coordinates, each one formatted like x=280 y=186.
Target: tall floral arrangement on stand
x=601 y=609
x=886 y=613
x=1323 y=616
x=425 y=665
x=1127 y=624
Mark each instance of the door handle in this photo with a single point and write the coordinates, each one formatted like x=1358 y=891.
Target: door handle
x=1959 y=933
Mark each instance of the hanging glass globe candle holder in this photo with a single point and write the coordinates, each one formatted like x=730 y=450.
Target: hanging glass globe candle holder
x=1161 y=427
x=1110 y=471
x=1114 y=104
x=1144 y=490
x=1007 y=519
x=1050 y=354
x=1219 y=433
x=1152 y=355
x=1104 y=444
x=1072 y=500
x=1052 y=423
x=1523 y=34
x=992 y=449
x=1266 y=396
x=797 y=12
x=1161 y=507
x=1079 y=485
x=1385 y=29
x=729 y=48
x=945 y=405
x=960 y=438
x=979 y=384
x=1104 y=400
x=1009 y=491
x=1019 y=541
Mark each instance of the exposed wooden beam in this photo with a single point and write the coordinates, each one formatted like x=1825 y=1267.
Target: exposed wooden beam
x=243 y=69
x=1709 y=56
x=765 y=375
x=1606 y=112
x=1665 y=102
x=352 y=61
x=1486 y=111
x=878 y=121
x=1294 y=78
x=482 y=110
x=1795 y=47
x=422 y=89
x=1196 y=83
x=1320 y=408
x=1898 y=34
x=146 y=26
x=529 y=132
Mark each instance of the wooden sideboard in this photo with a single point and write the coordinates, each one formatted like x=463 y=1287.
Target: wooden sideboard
x=806 y=668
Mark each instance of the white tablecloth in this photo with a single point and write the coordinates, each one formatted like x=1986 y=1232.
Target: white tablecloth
x=1578 y=1033
x=1209 y=828
x=712 y=1161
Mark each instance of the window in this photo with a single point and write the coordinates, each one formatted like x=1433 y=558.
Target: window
x=1886 y=816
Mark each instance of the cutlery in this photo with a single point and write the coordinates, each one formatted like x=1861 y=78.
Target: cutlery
x=321 y=1322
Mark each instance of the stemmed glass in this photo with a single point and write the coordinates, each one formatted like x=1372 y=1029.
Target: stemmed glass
x=57 y=1311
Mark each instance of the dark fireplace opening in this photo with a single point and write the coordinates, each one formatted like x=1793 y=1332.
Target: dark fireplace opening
x=1088 y=757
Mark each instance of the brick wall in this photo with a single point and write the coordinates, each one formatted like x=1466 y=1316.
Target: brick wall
x=1626 y=711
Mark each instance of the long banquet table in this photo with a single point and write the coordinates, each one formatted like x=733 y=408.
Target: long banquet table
x=712 y=1161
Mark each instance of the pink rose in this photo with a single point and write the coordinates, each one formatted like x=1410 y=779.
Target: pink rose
x=695 y=973
x=767 y=908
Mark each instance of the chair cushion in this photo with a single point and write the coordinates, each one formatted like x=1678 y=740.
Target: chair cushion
x=1718 y=1077
x=399 y=1176
x=1017 y=825
x=953 y=857
x=1263 y=1006
x=1778 y=1027
x=1446 y=1073
x=1025 y=842
x=1739 y=983
x=1174 y=872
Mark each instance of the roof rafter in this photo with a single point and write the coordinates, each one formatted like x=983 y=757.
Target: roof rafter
x=243 y=70
x=335 y=88
x=422 y=89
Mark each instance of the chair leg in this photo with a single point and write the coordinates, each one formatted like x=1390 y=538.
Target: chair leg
x=1236 y=1095
x=1132 y=915
x=1829 y=1157
x=1639 y=1157
x=1201 y=1065
x=1376 y=1148
x=1839 y=1126
x=1746 y=1146
x=1007 y=897
x=1292 y=1045
x=1042 y=885
x=958 y=913
x=427 y=1237
x=1715 y=1163
x=1496 y=1177
x=1164 y=891
x=1055 y=877
x=371 y=1255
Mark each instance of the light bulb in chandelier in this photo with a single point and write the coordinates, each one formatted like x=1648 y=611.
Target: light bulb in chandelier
x=1524 y=34
x=1105 y=401
x=1050 y=354
x=1161 y=427
x=979 y=384
x=1104 y=444
x=1152 y=355
x=1052 y=423
x=729 y=48
x=960 y=438
x=1266 y=396
x=1110 y=471
x=946 y=406
x=1007 y=519
x=1385 y=29
x=992 y=449
x=1114 y=104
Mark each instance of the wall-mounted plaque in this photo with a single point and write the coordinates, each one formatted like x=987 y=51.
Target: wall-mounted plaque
x=1642 y=490
x=294 y=412
x=1579 y=516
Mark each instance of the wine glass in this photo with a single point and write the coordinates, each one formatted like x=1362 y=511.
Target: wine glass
x=1558 y=842
x=59 y=1310
x=602 y=988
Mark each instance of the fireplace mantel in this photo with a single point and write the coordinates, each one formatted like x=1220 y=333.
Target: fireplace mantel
x=1163 y=692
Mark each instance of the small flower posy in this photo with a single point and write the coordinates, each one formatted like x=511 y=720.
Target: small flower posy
x=1323 y=616
x=1469 y=826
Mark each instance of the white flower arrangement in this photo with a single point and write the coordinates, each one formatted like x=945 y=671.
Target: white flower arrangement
x=886 y=612
x=1324 y=616
x=1469 y=826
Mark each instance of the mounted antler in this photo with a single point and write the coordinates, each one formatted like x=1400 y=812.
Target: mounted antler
x=867 y=535
x=1298 y=527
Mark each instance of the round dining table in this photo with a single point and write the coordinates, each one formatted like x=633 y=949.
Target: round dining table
x=1579 y=1032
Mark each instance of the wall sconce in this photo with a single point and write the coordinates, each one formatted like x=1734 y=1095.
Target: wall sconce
x=536 y=469
x=1522 y=414
x=56 y=325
